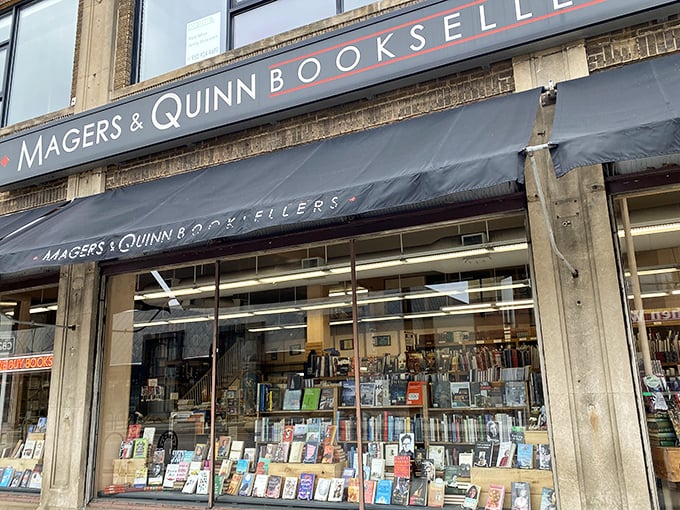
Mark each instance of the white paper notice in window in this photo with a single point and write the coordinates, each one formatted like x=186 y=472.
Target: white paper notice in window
x=203 y=38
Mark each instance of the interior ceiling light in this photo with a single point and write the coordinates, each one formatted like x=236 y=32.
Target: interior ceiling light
x=660 y=270
x=651 y=229
x=293 y=276
x=645 y=295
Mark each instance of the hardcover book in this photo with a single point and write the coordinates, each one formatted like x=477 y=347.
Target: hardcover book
x=155 y=474
x=465 y=460
x=402 y=466
x=367 y=394
x=246 y=487
x=134 y=431
x=495 y=496
x=311 y=451
x=36 y=477
x=383 y=492
x=25 y=478
x=336 y=490
x=327 y=398
x=234 y=484
x=328 y=453
x=281 y=452
x=400 y=491
x=287 y=436
x=525 y=456
x=260 y=485
x=190 y=484
x=274 y=487
x=29 y=449
x=418 y=492
x=472 y=497
x=435 y=493
x=203 y=483
x=543 y=457
x=515 y=394
x=437 y=454
x=306 y=486
x=349 y=395
x=223 y=447
x=236 y=451
x=377 y=469
x=369 y=491
x=353 y=490
x=291 y=400
x=310 y=399
x=242 y=466
x=296 y=451
x=548 y=499
x=460 y=394
x=391 y=451
x=520 y=496
x=323 y=487
x=483 y=454
x=506 y=453
x=170 y=476
x=289 y=487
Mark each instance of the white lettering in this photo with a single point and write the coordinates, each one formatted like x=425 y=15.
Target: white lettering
x=417 y=37
x=52 y=147
x=241 y=86
x=561 y=5
x=275 y=81
x=482 y=16
x=88 y=133
x=172 y=118
x=448 y=36
x=518 y=12
x=355 y=62
x=315 y=74
x=29 y=158
x=382 y=49
x=75 y=141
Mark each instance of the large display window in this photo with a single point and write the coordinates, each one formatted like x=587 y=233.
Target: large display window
x=401 y=368
x=27 y=325
x=647 y=227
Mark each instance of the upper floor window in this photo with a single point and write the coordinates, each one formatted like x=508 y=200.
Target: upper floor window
x=37 y=48
x=175 y=33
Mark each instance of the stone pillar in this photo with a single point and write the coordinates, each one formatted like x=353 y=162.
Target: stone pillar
x=594 y=415
x=67 y=446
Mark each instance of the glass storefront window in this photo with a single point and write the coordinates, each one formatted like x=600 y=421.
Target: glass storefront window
x=27 y=321
x=651 y=262
x=411 y=377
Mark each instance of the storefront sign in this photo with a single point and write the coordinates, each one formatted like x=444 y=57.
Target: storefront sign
x=26 y=363
x=657 y=315
x=381 y=54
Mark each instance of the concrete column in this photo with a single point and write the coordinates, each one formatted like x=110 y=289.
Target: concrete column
x=67 y=444
x=594 y=416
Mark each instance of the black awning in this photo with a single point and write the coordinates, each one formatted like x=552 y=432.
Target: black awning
x=15 y=223
x=628 y=113
x=465 y=153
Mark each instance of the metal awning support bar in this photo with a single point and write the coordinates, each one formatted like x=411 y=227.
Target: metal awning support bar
x=529 y=151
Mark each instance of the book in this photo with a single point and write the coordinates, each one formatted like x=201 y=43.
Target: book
x=7 y=476
x=515 y=394
x=234 y=484
x=242 y=466
x=460 y=394
x=383 y=492
x=246 y=487
x=29 y=449
x=170 y=476
x=414 y=393
x=548 y=499
x=330 y=435
x=483 y=454
x=149 y=434
x=262 y=466
x=236 y=451
x=525 y=455
x=391 y=451
x=377 y=469
x=134 y=431
x=506 y=453
x=310 y=399
x=250 y=454
x=323 y=486
x=190 y=484
x=289 y=487
x=402 y=466
x=140 y=448
x=367 y=393
x=472 y=497
x=349 y=396
x=260 y=485
x=203 y=483
x=465 y=460
x=435 y=493
x=418 y=492
x=517 y=434
x=300 y=432
x=520 y=496
x=287 y=436
x=281 y=452
x=126 y=449
x=274 y=487
x=292 y=400
x=155 y=474
x=223 y=447
x=225 y=467
x=437 y=454
x=427 y=469
x=369 y=491
x=25 y=478
x=495 y=497
x=311 y=451
x=400 y=491
x=306 y=486
x=327 y=398
x=353 y=490
x=296 y=451
x=36 y=477
x=219 y=484
x=336 y=490
x=543 y=457
x=328 y=454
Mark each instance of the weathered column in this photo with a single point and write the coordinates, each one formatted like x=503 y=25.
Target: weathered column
x=67 y=446
x=588 y=374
